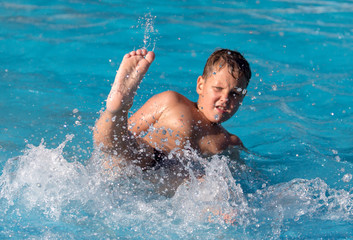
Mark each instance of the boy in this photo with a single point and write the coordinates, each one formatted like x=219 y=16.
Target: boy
x=169 y=122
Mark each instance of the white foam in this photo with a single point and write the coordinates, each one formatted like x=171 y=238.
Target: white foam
x=42 y=180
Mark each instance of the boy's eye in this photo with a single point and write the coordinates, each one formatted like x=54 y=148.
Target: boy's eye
x=218 y=88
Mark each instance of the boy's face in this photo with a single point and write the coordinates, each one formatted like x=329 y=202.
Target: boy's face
x=220 y=95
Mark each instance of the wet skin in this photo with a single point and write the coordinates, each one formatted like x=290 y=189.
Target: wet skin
x=168 y=122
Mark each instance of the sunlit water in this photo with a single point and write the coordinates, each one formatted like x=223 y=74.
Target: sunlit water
x=57 y=62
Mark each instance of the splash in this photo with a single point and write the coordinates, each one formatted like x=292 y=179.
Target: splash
x=41 y=188
x=150 y=32
x=300 y=200
x=42 y=179
x=216 y=197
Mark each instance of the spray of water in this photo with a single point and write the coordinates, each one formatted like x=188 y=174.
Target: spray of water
x=150 y=32
x=41 y=187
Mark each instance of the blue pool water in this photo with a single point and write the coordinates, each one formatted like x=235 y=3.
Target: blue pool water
x=58 y=59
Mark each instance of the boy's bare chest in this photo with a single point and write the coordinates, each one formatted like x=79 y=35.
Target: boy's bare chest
x=212 y=142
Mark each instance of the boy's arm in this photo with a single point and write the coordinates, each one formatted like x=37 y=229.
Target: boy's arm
x=236 y=142
x=234 y=149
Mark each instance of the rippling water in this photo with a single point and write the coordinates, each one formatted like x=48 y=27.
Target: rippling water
x=58 y=60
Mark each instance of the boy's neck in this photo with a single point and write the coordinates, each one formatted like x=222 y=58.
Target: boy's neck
x=207 y=122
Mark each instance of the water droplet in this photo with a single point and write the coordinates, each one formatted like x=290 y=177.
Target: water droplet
x=147 y=22
x=347 y=177
x=75 y=110
x=164 y=132
x=170 y=212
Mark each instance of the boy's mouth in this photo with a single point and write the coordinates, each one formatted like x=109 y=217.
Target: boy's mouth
x=221 y=108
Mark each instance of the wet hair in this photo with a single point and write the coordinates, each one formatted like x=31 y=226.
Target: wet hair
x=225 y=57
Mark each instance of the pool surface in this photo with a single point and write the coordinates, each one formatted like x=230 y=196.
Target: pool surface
x=58 y=59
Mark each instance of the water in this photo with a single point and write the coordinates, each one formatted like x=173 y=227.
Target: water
x=58 y=60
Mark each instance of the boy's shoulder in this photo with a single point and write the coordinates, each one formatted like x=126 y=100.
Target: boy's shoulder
x=172 y=96
x=172 y=99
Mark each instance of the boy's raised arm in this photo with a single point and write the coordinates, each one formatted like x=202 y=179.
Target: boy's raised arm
x=111 y=129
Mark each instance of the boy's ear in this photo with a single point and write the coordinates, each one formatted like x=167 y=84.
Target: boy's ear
x=200 y=84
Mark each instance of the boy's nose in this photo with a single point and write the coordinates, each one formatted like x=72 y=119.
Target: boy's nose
x=224 y=97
